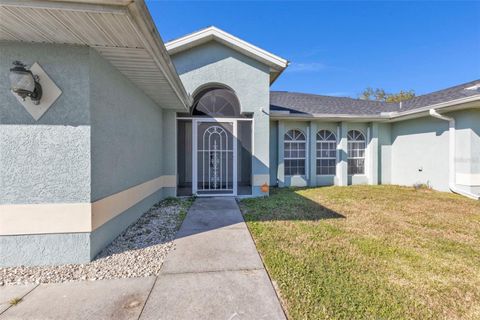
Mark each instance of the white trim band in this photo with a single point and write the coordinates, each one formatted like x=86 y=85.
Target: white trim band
x=44 y=218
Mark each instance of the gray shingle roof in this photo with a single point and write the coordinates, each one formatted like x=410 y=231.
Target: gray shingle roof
x=440 y=96
x=319 y=104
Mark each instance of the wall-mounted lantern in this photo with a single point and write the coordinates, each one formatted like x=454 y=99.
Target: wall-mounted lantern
x=24 y=83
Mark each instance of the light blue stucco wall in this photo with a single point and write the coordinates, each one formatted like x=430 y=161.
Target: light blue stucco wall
x=128 y=140
x=102 y=136
x=127 y=134
x=384 y=153
x=215 y=63
x=273 y=152
x=169 y=142
x=467 y=159
x=420 y=150
x=46 y=161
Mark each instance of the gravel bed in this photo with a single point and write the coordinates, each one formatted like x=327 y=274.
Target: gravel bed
x=139 y=251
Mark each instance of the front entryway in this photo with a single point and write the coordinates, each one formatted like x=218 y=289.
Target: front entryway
x=214 y=164
x=214 y=146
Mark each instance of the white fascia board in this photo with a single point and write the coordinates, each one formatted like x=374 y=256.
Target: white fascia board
x=113 y=7
x=457 y=104
x=284 y=115
x=213 y=33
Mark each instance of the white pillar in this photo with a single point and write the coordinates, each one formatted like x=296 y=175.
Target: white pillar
x=342 y=152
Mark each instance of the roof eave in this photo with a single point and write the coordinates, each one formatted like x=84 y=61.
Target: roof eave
x=138 y=13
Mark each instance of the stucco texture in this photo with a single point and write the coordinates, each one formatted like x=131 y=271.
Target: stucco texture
x=102 y=136
x=44 y=249
x=420 y=150
x=127 y=136
x=46 y=161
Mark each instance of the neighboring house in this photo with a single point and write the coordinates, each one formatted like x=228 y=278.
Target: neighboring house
x=126 y=120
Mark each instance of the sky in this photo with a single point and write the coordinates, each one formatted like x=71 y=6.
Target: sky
x=340 y=48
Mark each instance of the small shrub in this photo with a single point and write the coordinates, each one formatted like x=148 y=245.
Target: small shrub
x=422 y=186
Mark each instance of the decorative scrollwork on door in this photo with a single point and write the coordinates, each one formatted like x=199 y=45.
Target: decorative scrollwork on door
x=215 y=159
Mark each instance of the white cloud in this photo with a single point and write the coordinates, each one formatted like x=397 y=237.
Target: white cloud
x=337 y=94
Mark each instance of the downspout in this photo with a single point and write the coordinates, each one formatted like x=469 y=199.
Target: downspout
x=451 y=156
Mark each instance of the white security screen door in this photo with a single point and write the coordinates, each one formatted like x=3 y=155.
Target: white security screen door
x=214 y=168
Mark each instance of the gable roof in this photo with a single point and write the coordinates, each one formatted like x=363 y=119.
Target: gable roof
x=297 y=104
x=276 y=63
x=122 y=31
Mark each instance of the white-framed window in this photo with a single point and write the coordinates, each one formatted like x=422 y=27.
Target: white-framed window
x=326 y=152
x=294 y=152
x=356 y=152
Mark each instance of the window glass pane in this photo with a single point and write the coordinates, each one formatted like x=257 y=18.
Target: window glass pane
x=294 y=153
x=356 y=152
x=326 y=153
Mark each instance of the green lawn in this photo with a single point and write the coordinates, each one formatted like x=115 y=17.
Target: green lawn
x=370 y=252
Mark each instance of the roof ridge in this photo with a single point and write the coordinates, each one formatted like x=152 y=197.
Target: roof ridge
x=334 y=97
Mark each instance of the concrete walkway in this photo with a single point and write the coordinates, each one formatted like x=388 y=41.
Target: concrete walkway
x=214 y=272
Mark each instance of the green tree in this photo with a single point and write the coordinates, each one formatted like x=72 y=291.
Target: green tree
x=379 y=94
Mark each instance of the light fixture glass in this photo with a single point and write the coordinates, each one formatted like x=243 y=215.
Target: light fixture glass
x=24 y=83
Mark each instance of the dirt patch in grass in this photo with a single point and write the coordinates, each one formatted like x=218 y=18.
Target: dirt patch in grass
x=370 y=252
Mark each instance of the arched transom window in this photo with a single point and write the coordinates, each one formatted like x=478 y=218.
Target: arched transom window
x=216 y=103
x=326 y=152
x=294 y=152
x=356 y=152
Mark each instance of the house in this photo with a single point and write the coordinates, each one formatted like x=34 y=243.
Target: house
x=124 y=120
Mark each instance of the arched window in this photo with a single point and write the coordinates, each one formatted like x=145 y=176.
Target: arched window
x=326 y=152
x=216 y=102
x=294 y=153
x=356 y=152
